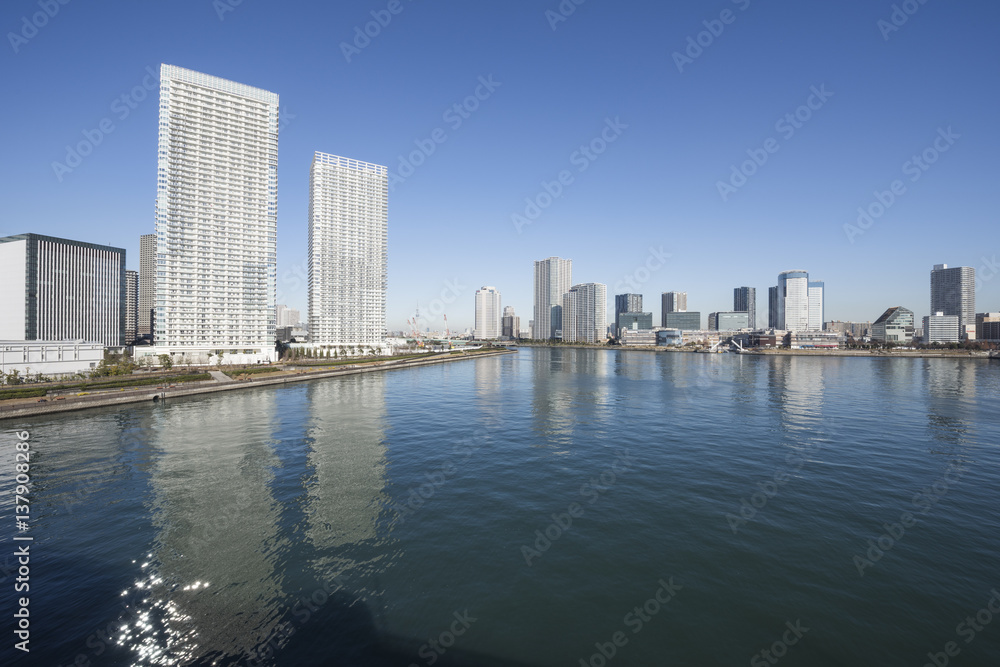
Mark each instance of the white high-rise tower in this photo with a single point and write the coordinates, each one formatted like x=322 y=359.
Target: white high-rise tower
x=793 y=300
x=348 y=245
x=585 y=313
x=553 y=278
x=487 y=313
x=216 y=217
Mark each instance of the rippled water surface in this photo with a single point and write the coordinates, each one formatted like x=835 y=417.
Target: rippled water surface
x=538 y=508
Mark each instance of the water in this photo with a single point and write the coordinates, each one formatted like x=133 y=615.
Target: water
x=352 y=520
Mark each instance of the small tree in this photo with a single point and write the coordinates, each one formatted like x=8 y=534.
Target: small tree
x=166 y=361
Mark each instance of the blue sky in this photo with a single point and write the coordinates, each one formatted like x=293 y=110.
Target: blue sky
x=678 y=128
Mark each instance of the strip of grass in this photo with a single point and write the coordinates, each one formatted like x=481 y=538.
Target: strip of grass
x=20 y=393
x=110 y=384
x=330 y=363
x=253 y=370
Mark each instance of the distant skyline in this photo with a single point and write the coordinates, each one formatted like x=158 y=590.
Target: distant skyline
x=720 y=148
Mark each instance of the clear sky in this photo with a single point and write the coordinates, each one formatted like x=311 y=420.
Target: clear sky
x=673 y=127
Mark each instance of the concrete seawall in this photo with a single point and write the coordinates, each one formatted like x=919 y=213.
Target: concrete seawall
x=142 y=395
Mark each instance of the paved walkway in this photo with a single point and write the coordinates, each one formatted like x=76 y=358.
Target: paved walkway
x=220 y=376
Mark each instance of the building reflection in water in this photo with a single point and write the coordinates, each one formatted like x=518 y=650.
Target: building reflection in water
x=950 y=391
x=570 y=390
x=214 y=554
x=226 y=570
x=347 y=456
x=795 y=388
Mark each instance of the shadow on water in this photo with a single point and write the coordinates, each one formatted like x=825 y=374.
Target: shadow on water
x=346 y=632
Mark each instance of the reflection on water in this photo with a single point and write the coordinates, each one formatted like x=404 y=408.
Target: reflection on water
x=552 y=401
x=261 y=528
x=572 y=393
x=950 y=398
x=228 y=515
x=796 y=384
x=345 y=435
x=216 y=543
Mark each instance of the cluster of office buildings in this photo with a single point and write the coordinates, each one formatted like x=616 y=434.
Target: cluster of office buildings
x=796 y=315
x=207 y=278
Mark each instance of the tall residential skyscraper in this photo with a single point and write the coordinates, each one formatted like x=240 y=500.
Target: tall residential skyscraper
x=216 y=217
x=626 y=303
x=817 y=305
x=510 y=323
x=131 y=306
x=55 y=289
x=772 y=308
x=147 y=284
x=793 y=300
x=585 y=313
x=745 y=301
x=348 y=248
x=487 y=313
x=953 y=292
x=553 y=278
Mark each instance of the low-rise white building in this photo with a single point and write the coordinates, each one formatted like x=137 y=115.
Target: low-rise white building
x=941 y=328
x=50 y=358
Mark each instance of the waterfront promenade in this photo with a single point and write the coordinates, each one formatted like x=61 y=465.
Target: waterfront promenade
x=898 y=353
x=26 y=407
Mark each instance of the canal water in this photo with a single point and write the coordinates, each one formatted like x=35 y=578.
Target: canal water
x=549 y=507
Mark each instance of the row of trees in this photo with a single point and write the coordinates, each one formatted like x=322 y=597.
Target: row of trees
x=294 y=353
x=112 y=365
x=15 y=377
x=971 y=345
